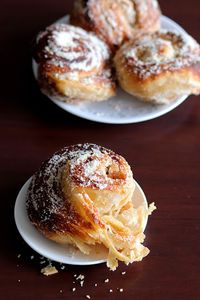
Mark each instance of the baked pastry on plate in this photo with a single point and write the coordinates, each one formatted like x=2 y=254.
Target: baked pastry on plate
x=73 y=65
x=116 y=21
x=82 y=196
x=159 y=67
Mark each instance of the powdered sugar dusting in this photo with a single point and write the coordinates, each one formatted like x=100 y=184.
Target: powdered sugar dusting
x=64 y=39
x=155 y=3
x=46 y=184
x=143 y=6
x=158 y=52
x=118 y=20
x=72 y=49
x=112 y=20
x=89 y=166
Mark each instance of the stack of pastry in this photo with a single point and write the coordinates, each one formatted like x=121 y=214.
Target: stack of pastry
x=119 y=40
x=117 y=21
x=83 y=195
x=159 y=67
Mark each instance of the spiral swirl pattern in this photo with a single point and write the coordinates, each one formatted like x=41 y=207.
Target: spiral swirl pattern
x=82 y=195
x=86 y=165
x=159 y=52
x=72 y=49
x=50 y=201
x=116 y=21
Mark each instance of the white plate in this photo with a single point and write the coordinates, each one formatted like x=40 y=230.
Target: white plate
x=123 y=108
x=52 y=250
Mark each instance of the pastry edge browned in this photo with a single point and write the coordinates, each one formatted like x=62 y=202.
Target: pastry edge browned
x=144 y=23
x=162 y=88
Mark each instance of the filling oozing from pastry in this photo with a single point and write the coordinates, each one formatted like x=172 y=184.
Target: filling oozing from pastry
x=84 y=196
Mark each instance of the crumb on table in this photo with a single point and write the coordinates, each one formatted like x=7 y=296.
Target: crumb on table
x=49 y=270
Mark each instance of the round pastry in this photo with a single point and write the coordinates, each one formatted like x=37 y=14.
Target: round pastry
x=73 y=65
x=159 y=67
x=119 y=20
x=82 y=196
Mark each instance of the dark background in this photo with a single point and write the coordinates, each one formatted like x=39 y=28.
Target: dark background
x=163 y=153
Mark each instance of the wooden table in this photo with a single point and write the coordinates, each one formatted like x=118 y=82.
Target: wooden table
x=164 y=155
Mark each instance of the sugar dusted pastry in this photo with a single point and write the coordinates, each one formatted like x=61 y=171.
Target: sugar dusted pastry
x=159 y=67
x=82 y=196
x=73 y=65
x=117 y=21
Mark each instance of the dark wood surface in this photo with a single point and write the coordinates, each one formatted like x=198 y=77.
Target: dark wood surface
x=164 y=155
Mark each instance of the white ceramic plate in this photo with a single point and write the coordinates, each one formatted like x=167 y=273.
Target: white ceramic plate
x=52 y=250
x=123 y=108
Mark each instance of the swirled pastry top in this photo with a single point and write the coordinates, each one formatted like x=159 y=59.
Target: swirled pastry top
x=119 y=20
x=71 y=51
x=86 y=165
x=159 y=52
x=82 y=196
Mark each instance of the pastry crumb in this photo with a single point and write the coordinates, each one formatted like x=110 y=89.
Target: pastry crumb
x=106 y=280
x=110 y=290
x=95 y=284
x=123 y=273
x=62 y=267
x=49 y=270
x=73 y=290
x=81 y=283
x=121 y=290
x=81 y=277
x=88 y=296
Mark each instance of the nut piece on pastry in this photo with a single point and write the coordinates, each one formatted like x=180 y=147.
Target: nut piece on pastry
x=82 y=196
x=73 y=65
x=117 y=21
x=159 y=67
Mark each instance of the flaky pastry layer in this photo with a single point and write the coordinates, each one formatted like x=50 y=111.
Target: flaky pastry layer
x=159 y=67
x=73 y=65
x=117 y=21
x=82 y=196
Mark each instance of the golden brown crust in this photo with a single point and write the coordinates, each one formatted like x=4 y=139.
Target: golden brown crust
x=74 y=170
x=73 y=65
x=159 y=67
x=82 y=196
x=117 y=21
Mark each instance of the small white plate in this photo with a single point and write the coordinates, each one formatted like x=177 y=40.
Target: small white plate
x=52 y=250
x=123 y=108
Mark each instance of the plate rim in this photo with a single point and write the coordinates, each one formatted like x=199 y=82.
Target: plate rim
x=35 y=247
x=71 y=108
